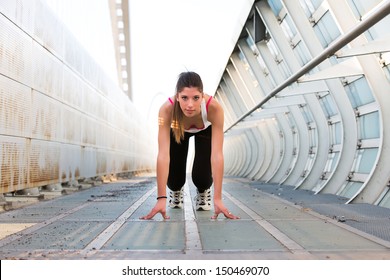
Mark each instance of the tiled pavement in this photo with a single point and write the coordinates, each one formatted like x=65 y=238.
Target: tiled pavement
x=277 y=223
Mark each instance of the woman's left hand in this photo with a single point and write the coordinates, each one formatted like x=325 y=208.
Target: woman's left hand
x=219 y=208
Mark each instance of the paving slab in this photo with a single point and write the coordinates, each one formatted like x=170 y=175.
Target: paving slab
x=277 y=222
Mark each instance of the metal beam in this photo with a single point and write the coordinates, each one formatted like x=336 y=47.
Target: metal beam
x=348 y=68
x=377 y=46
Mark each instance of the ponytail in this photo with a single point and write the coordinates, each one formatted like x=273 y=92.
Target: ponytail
x=177 y=122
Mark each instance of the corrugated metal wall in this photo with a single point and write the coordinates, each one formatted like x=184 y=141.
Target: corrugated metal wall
x=61 y=118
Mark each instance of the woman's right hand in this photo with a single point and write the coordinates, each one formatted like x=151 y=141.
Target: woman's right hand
x=160 y=207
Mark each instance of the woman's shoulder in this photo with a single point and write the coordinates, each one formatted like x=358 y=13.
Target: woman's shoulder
x=214 y=110
x=167 y=106
x=212 y=103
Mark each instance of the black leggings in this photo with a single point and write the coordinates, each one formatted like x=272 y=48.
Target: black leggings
x=201 y=170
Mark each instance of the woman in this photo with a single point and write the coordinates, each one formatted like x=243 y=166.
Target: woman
x=190 y=113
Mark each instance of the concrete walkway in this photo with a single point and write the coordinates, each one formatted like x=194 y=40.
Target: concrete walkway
x=276 y=222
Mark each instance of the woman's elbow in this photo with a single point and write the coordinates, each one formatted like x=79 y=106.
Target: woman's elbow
x=217 y=158
x=162 y=158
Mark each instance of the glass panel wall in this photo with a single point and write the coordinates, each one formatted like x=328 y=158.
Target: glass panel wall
x=359 y=93
x=276 y=6
x=261 y=61
x=369 y=126
x=348 y=117
x=326 y=30
x=310 y=6
x=350 y=189
x=328 y=105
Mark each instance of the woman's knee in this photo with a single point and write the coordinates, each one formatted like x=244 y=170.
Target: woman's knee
x=202 y=183
x=176 y=183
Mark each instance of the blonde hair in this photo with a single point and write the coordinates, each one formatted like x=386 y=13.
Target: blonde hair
x=186 y=79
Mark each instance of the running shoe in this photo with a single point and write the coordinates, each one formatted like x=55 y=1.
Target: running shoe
x=203 y=200
x=176 y=199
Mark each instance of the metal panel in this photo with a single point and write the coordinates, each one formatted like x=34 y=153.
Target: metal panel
x=44 y=166
x=74 y=235
x=73 y=90
x=47 y=71
x=48 y=29
x=315 y=234
x=14 y=163
x=45 y=117
x=15 y=52
x=148 y=236
x=62 y=118
x=247 y=236
x=73 y=52
x=71 y=125
x=15 y=102
x=20 y=12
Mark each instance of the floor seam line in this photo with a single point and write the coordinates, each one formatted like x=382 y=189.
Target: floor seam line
x=276 y=233
x=323 y=217
x=18 y=235
x=109 y=231
x=193 y=243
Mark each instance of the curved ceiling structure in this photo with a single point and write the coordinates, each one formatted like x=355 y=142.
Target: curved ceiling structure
x=306 y=96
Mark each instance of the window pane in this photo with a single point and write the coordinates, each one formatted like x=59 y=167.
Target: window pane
x=361 y=7
x=276 y=6
x=310 y=6
x=334 y=161
x=386 y=69
x=367 y=159
x=326 y=29
x=328 y=106
x=307 y=114
x=273 y=48
x=317 y=3
x=288 y=27
x=359 y=93
x=380 y=30
x=248 y=69
x=306 y=8
x=301 y=53
x=337 y=133
x=284 y=69
x=369 y=126
x=385 y=202
x=351 y=189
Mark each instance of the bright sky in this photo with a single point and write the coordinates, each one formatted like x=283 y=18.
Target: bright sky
x=89 y=21
x=172 y=36
x=167 y=37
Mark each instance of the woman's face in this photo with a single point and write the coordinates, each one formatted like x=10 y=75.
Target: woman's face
x=190 y=99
